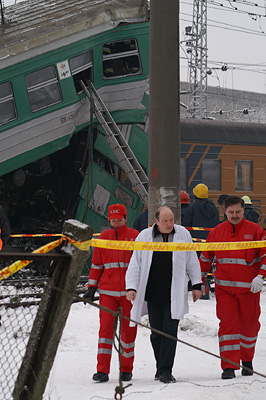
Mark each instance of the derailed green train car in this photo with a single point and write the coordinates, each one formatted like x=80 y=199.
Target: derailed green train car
x=54 y=160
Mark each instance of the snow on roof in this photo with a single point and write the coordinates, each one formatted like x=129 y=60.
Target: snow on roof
x=34 y=26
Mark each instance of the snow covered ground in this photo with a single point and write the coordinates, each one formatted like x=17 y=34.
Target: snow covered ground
x=198 y=374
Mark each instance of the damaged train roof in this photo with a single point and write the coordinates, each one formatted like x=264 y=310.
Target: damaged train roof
x=35 y=26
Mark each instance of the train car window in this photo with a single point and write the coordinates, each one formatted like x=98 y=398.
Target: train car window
x=100 y=199
x=43 y=88
x=109 y=166
x=123 y=196
x=183 y=165
x=121 y=59
x=8 y=110
x=211 y=174
x=81 y=69
x=244 y=175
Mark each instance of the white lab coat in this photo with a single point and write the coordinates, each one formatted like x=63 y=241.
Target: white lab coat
x=185 y=263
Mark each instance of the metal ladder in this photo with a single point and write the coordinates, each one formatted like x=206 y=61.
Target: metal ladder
x=119 y=145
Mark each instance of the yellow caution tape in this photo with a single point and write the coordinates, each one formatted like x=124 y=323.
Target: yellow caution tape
x=84 y=246
x=197 y=228
x=173 y=246
x=17 y=265
x=132 y=245
x=43 y=234
x=36 y=235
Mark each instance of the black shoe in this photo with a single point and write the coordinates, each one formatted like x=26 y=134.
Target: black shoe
x=100 y=377
x=167 y=377
x=157 y=376
x=228 y=373
x=247 y=364
x=126 y=376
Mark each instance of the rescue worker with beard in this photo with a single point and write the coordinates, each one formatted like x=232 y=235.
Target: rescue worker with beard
x=107 y=275
x=239 y=279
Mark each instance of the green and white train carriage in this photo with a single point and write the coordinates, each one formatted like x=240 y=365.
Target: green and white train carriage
x=55 y=163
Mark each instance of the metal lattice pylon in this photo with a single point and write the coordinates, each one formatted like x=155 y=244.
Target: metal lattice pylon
x=196 y=37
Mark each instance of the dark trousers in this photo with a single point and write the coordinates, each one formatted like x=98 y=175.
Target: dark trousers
x=163 y=347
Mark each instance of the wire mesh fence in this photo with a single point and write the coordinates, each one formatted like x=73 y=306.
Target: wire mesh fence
x=20 y=295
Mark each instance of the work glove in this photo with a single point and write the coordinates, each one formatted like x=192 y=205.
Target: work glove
x=89 y=294
x=256 y=284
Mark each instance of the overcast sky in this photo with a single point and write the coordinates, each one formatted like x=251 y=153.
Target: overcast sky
x=236 y=38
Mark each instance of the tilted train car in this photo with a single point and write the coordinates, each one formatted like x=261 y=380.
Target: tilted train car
x=47 y=143
x=55 y=161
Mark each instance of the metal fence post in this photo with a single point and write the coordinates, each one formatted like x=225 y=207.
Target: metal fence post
x=51 y=317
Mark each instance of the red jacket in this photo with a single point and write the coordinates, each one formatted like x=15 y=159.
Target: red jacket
x=108 y=269
x=235 y=269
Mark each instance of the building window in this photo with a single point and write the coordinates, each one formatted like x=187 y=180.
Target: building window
x=121 y=59
x=81 y=69
x=183 y=165
x=8 y=111
x=43 y=88
x=211 y=174
x=244 y=175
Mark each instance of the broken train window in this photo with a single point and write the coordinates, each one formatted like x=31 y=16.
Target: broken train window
x=81 y=69
x=123 y=196
x=121 y=59
x=109 y=166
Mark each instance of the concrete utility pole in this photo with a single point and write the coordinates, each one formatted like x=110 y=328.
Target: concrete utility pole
x=164 y=129
x=2 y=13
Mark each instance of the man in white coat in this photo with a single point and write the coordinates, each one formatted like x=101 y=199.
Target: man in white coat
x=161 y=279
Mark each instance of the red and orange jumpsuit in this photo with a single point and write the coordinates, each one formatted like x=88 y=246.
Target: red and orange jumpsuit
x=237 y=308
x=107 y=273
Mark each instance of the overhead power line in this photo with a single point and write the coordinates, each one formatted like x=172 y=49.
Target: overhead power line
x=226 y=26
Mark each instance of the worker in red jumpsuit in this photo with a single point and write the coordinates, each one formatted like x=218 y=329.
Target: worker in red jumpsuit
x=239 y=278
x=107 y=275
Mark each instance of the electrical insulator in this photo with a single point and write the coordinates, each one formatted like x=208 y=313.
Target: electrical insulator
x=224 y=68
x=245 y=111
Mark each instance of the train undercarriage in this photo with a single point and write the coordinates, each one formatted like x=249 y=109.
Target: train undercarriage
x=40 y=196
